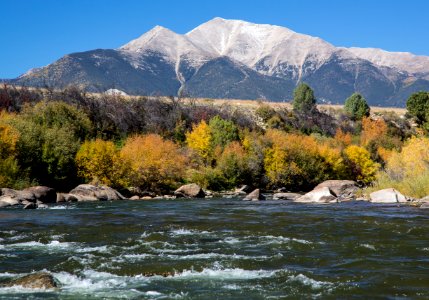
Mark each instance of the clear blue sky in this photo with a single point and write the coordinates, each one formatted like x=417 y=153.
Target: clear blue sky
x=34 y=33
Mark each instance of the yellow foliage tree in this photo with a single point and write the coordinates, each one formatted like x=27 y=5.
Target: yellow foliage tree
x=363 y=167
x=8 y=138
x=200 y=140
x=300 y=161
x=408 y=170
x=97 y=161
x=154 y=162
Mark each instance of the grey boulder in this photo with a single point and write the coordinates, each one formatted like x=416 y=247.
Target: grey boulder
x=88 y=192
x=256 y=195
x=343 y=189
x=41 y=280
x=320 y=195
x=190 y=190
x=286 y=196
x=389 y=195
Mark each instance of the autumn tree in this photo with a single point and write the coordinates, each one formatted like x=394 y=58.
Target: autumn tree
x=362 y=167
x=98 y=162
x=154 y=163
x=200 y=140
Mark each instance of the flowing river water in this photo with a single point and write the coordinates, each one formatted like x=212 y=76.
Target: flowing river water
x=218 y=249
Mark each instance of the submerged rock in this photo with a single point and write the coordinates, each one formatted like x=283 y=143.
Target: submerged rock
x=41 y=280
x=342 y=189
x=243 y=190
x=190 y=190
x=388 y=196
x=425 y=205
x=320 y=195
x=254 y=196
x=30 y=205
x=88 y=192
x=286 y=196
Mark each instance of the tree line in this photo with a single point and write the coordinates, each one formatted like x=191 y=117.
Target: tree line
x=63 y=138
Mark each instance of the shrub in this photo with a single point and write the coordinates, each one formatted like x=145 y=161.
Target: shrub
x=362 y=167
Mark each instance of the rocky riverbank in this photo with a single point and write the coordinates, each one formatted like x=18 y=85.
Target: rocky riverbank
x=328 y=192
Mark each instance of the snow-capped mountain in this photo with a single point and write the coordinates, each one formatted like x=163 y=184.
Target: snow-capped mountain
x=237 y=59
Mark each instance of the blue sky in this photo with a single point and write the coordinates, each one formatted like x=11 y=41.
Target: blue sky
x=37 y=32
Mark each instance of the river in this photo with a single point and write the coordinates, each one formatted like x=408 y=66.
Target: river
x=218 y=249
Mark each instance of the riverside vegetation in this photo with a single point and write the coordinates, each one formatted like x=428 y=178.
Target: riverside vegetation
x=64 y=138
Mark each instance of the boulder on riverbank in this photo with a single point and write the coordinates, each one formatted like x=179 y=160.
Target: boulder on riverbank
x=190 y=191
x=42 y=194
x=320 y=195
x=256 y=195
x=89 y=192
x=40 y=280
x=342 y=189
x=389 y=195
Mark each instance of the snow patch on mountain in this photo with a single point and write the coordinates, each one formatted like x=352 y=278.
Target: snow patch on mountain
x=403 y=61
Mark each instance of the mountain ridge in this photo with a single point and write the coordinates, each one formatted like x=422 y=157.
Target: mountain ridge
x=274 y=58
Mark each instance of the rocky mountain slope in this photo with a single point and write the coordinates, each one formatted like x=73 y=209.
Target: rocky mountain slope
x=237 y=59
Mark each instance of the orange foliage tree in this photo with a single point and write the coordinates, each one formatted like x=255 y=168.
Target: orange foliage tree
x=154 y=163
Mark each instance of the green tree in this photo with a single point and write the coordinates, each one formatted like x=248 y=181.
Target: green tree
x=303 y=98
x=356 y=106
x=223 y=132
x=417 y=106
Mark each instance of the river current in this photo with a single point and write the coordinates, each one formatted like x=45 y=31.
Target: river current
x=218 y=249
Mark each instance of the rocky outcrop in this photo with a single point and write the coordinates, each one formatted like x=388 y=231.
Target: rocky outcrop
x=388 y=196
x=41 y=280
x=342 y=189
x=88 y=192
x=190 y=191
x=286 y=196
x=19 y=195
x=43 y=194
x=8 y=201
x=256 y=195
x=320 y=195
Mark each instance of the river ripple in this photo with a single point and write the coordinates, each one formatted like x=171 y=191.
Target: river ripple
x=218 y=249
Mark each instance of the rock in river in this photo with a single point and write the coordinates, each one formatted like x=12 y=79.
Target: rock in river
x=320 y=195
x=41 y=280
x=343 y=189
x=88 y=192
x=286 y=196
x=254 y=196
x=190 y=190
